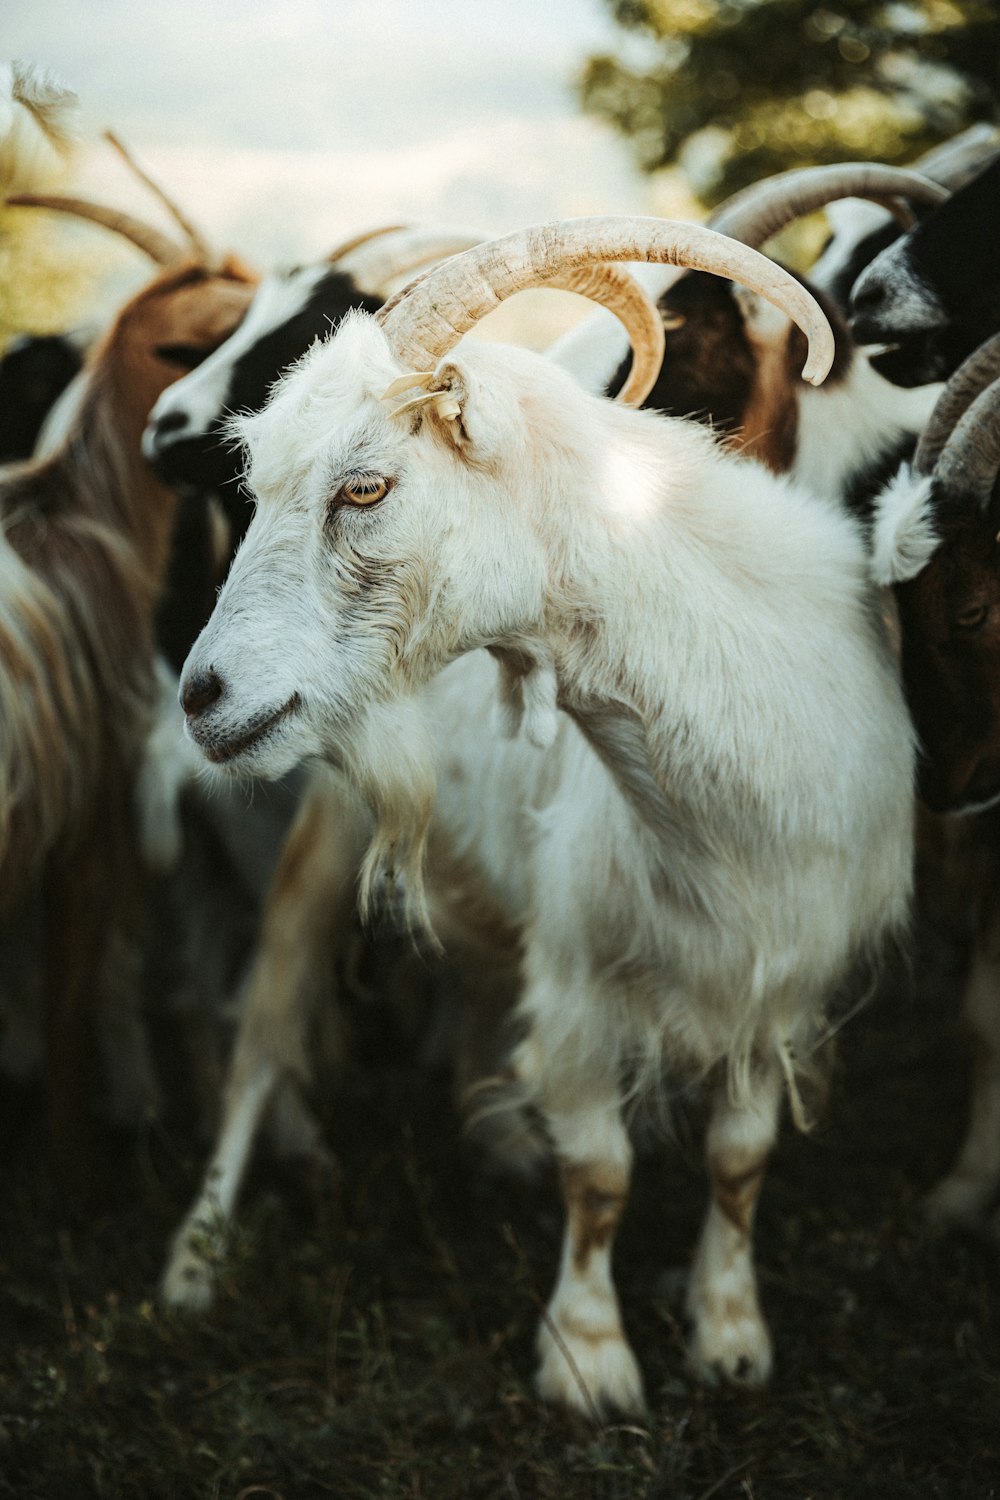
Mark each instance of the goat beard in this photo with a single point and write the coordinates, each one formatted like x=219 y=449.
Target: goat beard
x=386 y=755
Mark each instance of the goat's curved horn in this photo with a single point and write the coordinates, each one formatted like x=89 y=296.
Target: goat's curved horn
x=428 y=318
x=955 y=162
x=413 y=246
x=970 y=460
x=757 y=212
x=156 y=245
x=973 y=375
x=619 y=291
x=348 y=246
x=193 y=236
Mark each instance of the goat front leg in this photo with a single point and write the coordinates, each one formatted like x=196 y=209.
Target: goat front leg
x=730 y=1337
x=965 y=1193
x=310 y=898
x=585 y=1362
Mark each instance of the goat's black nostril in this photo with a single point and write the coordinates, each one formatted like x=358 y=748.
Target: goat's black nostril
x=171 y=421
x=867 y=299
x=200 y=691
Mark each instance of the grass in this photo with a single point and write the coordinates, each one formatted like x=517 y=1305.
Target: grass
x=374 y=1334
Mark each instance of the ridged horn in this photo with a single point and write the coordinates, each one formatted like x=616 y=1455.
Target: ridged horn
x=159 y=247
x=757 y=212
x=972 y=377
x=195 y=239
x=970 y=460
x=428 y=318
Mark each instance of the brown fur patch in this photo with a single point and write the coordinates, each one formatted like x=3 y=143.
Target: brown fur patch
x=737 y=1194
x=595 y=1201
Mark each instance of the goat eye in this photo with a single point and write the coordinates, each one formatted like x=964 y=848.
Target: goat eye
x=972 y=616
x=184 y=356
x=364 y=489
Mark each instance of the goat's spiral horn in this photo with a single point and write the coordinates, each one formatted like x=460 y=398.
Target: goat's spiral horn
x=428 y=318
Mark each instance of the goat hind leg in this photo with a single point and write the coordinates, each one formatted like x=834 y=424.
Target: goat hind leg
x=730 y=1337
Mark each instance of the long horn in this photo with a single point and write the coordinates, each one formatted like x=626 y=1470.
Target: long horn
x=428 y=318
x=395 y=255
x=956 y=162
x=340 y=251
x=619 y=291
x=971 y=458
x=971 y=378
x=156 y=245
x=757 y=212
x=193 y=236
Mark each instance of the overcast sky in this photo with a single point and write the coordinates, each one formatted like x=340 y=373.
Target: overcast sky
x=283 y=125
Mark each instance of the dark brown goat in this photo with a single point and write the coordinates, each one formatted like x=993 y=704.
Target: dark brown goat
x=937 y=539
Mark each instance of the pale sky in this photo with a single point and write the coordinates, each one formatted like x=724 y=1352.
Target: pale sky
x=285 y=125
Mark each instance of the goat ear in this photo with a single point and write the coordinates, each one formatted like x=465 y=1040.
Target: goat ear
x=446 y=410
x=904 y=536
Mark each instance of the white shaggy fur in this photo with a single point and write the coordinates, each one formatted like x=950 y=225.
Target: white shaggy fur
x=721 y=823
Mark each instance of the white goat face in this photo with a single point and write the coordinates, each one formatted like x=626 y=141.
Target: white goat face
x=371 y=560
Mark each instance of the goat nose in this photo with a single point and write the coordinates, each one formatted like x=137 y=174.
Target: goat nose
x=200 y=691
x=867 y=298
x=171 y=421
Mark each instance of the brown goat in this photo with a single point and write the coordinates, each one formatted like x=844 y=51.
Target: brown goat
x=84 y=547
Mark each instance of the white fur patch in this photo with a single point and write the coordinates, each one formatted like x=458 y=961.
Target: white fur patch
x=903 y=536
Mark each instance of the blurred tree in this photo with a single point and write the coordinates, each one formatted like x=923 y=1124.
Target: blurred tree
x=738 y=89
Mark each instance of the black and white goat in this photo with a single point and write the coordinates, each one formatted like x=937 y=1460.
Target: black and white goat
x=934 y=294
x=733 y=360
x=689 y=781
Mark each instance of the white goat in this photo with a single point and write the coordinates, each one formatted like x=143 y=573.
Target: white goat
x=706 y=818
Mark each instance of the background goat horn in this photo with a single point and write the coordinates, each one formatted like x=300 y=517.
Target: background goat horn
x=429 y=317
x=156 y=245
x=191 y=234
x=971 y=457
x=970 y=379
x=757 y=212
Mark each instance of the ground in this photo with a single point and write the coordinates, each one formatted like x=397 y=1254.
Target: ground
x=374 y=1335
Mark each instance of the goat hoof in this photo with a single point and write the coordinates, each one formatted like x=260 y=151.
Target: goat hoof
x=188 y=1282
x=594 y=1375
x=737 y=1350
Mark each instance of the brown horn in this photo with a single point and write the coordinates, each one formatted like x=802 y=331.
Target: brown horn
x=156 y=245
x=757 y=212
x=972 y=377
x=971 y=457
x=428 y=318
x=197 y=242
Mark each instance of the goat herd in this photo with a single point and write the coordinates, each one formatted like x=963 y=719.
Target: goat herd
x=628 y=704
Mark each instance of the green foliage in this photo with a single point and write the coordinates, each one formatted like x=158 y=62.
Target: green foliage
x=761 y=85
x=43 y=289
